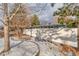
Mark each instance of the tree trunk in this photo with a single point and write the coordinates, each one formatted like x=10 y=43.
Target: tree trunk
x=6 y=28
x=78 y=37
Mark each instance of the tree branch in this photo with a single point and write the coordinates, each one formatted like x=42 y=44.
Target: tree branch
x=14 y=13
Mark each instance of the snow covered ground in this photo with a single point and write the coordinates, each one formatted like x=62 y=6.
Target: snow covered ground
x=61 y=35
x=28 y=48
x=42 y=48
x=32 y=48
x=1 y=42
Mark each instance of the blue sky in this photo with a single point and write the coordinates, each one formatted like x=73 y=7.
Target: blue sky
x=48 y=11
x=46 y=15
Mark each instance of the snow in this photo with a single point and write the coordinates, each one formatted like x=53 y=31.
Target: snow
x=43 y=48
x=1 y=42
x=66 y=35
x=28 y=48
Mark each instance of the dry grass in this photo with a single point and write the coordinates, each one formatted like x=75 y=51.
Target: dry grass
x=66 y=48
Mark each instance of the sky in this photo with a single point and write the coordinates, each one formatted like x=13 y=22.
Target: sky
x=46 y=15
x=45 y=10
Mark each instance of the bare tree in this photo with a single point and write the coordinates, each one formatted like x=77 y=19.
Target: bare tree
x=19 y=20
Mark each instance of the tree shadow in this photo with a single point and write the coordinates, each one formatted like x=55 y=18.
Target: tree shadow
x=52 y=32
x=71 y=38
x=16 y=44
